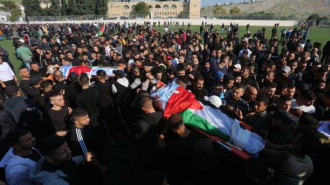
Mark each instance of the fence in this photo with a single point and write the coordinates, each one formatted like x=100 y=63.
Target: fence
x=103 y=17
x=323 y=24
x=255 y=17
x=67 y=18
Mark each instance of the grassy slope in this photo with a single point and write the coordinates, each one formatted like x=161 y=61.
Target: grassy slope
x=321 y=35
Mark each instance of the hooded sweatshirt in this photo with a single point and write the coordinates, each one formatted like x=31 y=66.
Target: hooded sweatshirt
x=17 y=168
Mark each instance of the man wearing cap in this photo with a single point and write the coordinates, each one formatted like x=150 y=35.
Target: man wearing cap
x=284 y=76
x=50 y=59
x=237 y=68
x=214 y=101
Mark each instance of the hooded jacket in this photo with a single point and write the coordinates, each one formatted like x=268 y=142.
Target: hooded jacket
x=51 y=178
x=18 y=168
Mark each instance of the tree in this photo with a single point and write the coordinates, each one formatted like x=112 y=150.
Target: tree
x=13 y=8
x=142 y=8
x=72 y=8
x=7 y=5
x=219 y=10
x=101 y=7
x=314 y=16
x=64 y=7
x=235 y=10
x=32 y=8
x=85 y=7
x=15 y=14
x=324 y=18
x=55 y=9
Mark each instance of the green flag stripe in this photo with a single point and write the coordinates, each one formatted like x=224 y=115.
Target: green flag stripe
x=189 y=118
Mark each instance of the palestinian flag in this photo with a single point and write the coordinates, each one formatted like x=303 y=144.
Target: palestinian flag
x=80 y=69
x=107 y=70
x=173 y=99
x=66 y=70
x=216 y=123
x=236 y=136
x=101 y=31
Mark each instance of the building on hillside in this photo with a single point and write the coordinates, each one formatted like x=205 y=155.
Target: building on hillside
x=4 y=16
x=158 y=9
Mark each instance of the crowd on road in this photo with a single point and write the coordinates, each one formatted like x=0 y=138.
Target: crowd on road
x=62 y=124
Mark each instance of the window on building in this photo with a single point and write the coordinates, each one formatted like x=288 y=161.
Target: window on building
x=150 y=6
x=157 y=6
x=126 y=7
x=173 y=6
x=133 y=7
x=166 y=6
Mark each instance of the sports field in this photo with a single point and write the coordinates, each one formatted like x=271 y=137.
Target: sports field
x=321 y=35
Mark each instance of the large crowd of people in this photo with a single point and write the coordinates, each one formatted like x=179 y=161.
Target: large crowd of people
x=75 y=128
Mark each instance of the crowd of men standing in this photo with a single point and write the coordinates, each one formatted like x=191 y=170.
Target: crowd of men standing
x=58 y=129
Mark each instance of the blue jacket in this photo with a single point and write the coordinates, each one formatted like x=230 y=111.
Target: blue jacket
x=51 y=178
x=17 y=169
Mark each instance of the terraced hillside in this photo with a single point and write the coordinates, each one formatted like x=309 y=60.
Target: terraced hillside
x=300 y=8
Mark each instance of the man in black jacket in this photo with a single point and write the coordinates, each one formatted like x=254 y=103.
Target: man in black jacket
x=146 y=130
x=326 y=53
x=87 y=99
x=120 y=88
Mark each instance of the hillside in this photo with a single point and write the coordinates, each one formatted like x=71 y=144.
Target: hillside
x=300 y=8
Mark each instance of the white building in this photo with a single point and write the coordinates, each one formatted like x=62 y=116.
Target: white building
x=4 y=16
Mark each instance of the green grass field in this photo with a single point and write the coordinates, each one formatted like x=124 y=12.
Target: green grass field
x=321 y=35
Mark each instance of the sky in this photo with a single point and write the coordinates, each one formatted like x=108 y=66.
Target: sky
x=212 y=2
